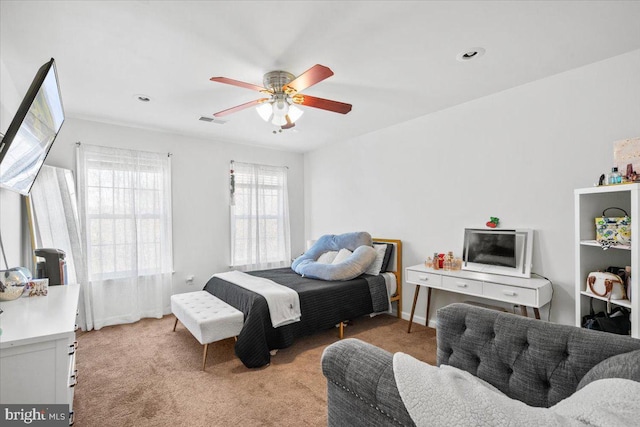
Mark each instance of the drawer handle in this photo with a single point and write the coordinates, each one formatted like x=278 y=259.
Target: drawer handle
x=509 y=293
x=462 y=285
x=71 y=417
x=425 y=278
x=73 y=347
x=74 y=378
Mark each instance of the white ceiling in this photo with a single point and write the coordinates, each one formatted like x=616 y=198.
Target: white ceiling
x=392 y=60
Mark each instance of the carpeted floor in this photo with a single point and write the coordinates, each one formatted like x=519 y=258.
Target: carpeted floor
x=143 y=374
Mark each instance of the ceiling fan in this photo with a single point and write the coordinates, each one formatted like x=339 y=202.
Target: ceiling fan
x=283 y=90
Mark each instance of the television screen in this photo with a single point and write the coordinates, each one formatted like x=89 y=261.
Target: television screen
x=492 y=248
x=32 y=131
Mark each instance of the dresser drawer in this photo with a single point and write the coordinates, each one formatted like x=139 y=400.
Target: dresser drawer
x=513 y=294
x=426 y=279
x=465 y=286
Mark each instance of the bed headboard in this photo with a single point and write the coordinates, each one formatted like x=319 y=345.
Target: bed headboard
x=395 y=266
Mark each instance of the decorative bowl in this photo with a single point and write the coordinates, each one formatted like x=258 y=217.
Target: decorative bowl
x=12 y=284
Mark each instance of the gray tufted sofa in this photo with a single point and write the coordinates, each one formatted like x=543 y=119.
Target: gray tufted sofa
x=536 y=362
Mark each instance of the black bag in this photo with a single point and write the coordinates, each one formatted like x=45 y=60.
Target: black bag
x=616 y=322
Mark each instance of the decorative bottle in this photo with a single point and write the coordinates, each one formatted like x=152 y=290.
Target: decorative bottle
x=436 y=262
x=615 y=177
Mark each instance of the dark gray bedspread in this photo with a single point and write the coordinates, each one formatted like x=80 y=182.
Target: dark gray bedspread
x=323 y=304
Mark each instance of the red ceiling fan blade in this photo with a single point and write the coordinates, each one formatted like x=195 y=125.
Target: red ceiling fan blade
x=324 y=104
x=240 y=107
x=239 y=83
x=313 y=75
x=289 y=124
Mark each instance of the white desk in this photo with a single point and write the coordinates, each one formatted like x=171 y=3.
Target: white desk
x=532 y=292
x=37 y=347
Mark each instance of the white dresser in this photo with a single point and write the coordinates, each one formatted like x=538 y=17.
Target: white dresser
x=532 y=292
x=37 y=348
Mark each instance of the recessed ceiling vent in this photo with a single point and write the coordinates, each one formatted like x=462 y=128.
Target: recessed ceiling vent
x=469 y=54
x=212 y=120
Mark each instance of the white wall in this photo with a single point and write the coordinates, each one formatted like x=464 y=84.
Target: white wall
x=517 y=155
x=200 y=181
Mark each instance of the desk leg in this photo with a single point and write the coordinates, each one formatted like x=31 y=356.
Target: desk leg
x=413 y=307
x=523 y=310
x=426 y=322
x=537 y=313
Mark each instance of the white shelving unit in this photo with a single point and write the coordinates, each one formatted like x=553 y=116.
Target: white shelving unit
x=589 y=255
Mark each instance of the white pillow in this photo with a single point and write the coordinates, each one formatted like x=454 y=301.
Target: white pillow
x=342 y=255
x=327 y=257
x=376 y=265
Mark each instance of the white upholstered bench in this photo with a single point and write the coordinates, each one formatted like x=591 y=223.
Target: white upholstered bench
x=208 y=318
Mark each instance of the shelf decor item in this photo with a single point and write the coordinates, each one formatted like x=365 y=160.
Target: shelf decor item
x=613 y=230
x=12 y=284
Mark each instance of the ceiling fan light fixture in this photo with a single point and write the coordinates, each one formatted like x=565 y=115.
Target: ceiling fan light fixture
x=280 y=107
x=279 y=120
x=265 y=110
x=294 y=113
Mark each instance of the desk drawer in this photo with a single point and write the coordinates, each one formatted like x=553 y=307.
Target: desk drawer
x=425 y=279
x=513 y=294
x=465 y=286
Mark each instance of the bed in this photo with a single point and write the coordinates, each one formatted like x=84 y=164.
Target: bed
x=323 y=305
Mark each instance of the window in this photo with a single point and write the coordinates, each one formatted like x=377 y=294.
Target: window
x=127 y=212
x=259 y=217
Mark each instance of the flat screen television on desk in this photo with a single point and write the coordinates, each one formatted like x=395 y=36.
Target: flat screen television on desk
x=506 y=252
x=32 y=131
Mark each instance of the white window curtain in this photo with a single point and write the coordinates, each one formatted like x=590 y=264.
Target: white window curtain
x=124 y=200
x=260 y=231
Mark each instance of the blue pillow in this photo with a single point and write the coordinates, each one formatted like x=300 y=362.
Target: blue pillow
x=356 y=264
x=333 y=242
x=361 y=258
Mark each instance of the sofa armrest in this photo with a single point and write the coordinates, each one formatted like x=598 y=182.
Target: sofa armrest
x=361 y=386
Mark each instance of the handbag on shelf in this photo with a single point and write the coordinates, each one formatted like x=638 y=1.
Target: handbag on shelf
x=605 y=285
x=616 y=321
x=613 y=230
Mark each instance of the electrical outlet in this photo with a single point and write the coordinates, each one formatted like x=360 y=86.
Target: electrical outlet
x=189 y=279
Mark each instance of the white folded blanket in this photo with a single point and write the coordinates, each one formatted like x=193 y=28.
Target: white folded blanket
x=447 y=396
x=283 y=302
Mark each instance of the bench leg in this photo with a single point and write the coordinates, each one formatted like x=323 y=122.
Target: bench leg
x=175 y=324
x=204 y=356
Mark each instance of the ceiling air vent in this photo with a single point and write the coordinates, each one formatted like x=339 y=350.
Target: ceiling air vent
x=212 y=120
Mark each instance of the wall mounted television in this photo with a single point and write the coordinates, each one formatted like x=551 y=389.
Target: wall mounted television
x=506 y=252
x=32 y=131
